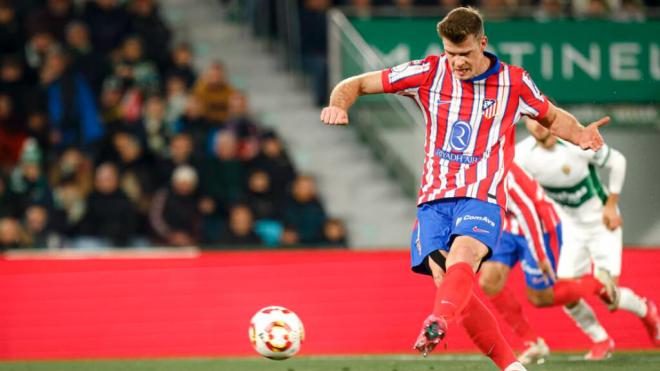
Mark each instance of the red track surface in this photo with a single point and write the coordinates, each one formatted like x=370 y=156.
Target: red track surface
x=350 y=303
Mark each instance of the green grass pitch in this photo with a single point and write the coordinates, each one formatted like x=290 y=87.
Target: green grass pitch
x=638 y=361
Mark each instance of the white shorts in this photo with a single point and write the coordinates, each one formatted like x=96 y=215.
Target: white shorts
x=584 y=245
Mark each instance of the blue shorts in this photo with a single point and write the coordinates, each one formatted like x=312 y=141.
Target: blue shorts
x=439 y=222
x=514 y=248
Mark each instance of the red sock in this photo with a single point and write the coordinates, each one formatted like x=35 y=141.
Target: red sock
x=454 y=291
x=509 y=307
x=570 y=291
x=482 y=327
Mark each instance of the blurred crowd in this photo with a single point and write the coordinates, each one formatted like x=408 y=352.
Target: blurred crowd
x=309 y=43
x=110 y=137
x=617 y=9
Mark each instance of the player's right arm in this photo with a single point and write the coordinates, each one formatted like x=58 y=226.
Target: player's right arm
x=346 y=92
x=402 y=79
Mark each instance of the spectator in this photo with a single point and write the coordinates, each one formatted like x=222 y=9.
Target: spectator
x=223 y=173
x=72 y=111
x=240 y=230
x=109 y=24
x=259 y=197
x=174 y=215
x=155 y=127
x=180 y=151
x=37 y=128
x=597 y=9
x=12 y=134
x=112 y=112
x=362 y=8
x=37 y=228
x=147 y=23
x=11 y=234
x=55 y=15
x=40 y=44
x=11 y=34
x=69 y=207
x=592 y=8
x=334 y=233
x=213 y=91
x=275 y=162
x=85 y=59
x=243 y=126
x=314 y=45
x=74 y=166
x=135 y=70
x=304 y=212
x=13 y=81
x=137 y=173
x=177 y=97
x=549 y=10
x=290 y=237
x=182 y=64
x=193 y=122
x=631 y=11
x=27 y=183
x=7 y=207
x=110 y=219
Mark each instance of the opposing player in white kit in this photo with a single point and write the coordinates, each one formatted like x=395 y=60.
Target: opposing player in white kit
x=592 y=225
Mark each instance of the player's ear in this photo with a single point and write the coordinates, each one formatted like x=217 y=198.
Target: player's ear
x=484 y=42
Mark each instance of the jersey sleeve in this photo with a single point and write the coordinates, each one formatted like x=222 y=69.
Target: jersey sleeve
x=612 y=160
x=408 y=76
x=532 y=102
x=600 y=157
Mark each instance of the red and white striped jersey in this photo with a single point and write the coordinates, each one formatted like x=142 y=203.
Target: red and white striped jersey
x=530 y=212
x=470 y=131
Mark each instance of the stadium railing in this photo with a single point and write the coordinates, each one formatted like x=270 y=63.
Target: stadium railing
x=383 y=122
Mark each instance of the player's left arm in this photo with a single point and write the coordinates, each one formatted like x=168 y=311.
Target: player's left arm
x=564 y=125
x=615 y=162
x=560 y=122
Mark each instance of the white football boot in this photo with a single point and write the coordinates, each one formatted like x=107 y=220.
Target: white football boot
x=535 y=353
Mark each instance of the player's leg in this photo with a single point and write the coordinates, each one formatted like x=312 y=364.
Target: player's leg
x=454 y=293
x=474 y=233
x=480 y=325
x=492 y=279
x=606 y=250
x=454 y=289
x=575 y=261
x=541 y=292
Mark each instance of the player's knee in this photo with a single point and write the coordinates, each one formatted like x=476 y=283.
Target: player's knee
x=467 y=250
x=540 y=298
x=490 y=282
x=490 y=287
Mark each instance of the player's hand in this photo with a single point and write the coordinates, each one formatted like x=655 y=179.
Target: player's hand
x=548 y=272
x=590 y=138
x=332 y=115
x=611 y=217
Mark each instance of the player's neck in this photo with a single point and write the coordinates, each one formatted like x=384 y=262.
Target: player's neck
x=484 y=64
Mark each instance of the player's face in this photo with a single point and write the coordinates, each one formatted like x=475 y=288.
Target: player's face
x=467 y=58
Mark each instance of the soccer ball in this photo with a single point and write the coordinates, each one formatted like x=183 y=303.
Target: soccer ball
x=276 y=332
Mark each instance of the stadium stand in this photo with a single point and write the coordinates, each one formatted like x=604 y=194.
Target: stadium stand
x=109 y=137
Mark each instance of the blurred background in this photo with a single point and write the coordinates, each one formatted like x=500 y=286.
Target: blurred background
x=164 y=128
x=174 y=123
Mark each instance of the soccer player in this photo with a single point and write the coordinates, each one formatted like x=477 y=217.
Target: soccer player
x=470 y=101
x=591 y=224
x=532 y=235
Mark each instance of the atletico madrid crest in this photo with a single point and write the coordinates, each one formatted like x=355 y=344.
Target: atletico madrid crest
x=489 y=108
